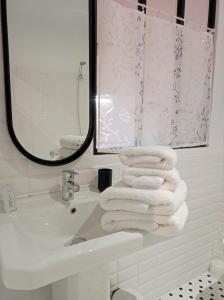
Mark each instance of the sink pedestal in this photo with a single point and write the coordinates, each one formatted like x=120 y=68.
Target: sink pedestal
x=91 y=284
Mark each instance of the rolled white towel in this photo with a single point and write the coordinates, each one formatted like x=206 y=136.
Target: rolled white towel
x=72 y=141
x=157 y=225
x=151 y=178
x=64 y=152
x=155 y=157
x=160 y=202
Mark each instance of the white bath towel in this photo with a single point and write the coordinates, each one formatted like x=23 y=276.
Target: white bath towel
x=73 y=142
x=151 y=178
x=160 y=202
x=157 y=225
x=64 y=152
x=155 y=157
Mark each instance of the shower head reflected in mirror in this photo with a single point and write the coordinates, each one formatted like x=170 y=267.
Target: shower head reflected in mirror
x=81 y=75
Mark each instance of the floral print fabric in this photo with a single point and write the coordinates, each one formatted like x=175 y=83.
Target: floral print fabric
x=154 y=81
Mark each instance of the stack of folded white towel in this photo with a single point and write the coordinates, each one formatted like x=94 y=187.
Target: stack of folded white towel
x=68 y=145
x=151 y=196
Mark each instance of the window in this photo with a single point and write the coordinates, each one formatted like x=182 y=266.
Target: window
x=154 y=80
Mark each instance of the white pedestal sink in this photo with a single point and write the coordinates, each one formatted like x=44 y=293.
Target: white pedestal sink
x=93 y=284
x=37 y=247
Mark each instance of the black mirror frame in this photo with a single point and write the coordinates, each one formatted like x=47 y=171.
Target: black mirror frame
x=92 y=87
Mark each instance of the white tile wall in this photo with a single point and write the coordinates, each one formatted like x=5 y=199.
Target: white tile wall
x=167 y=263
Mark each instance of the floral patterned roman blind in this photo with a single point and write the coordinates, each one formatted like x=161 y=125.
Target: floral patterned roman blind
x=154 y=81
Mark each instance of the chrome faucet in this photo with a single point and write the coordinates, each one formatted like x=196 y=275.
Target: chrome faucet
x=69 y=186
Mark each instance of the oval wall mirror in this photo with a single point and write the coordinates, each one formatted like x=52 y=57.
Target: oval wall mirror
x=49 y=49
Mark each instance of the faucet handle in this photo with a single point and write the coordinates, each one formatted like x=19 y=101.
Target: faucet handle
x=69 y=186
x=70 y=173
x=74 y=174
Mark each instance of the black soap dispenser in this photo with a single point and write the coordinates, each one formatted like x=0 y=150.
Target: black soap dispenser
x=104 y=179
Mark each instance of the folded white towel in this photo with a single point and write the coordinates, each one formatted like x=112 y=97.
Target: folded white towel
x=64 y=152
x=155 y=157
x=72 y=141
x=151 y=178
x=157 y=225
x=160 y=202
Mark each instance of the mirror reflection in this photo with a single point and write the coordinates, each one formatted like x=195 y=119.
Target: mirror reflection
x=49 y=68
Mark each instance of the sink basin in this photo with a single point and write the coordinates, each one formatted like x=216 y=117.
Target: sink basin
x=47 y=240
x=53 y=224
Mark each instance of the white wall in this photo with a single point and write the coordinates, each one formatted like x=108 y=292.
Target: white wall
x=195 y=11
x=165 y=264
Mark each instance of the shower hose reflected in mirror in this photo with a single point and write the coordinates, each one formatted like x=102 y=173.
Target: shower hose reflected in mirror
x=81 y=76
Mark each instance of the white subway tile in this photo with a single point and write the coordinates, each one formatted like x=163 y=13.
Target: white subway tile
x=13 y=168
x=127 y=274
